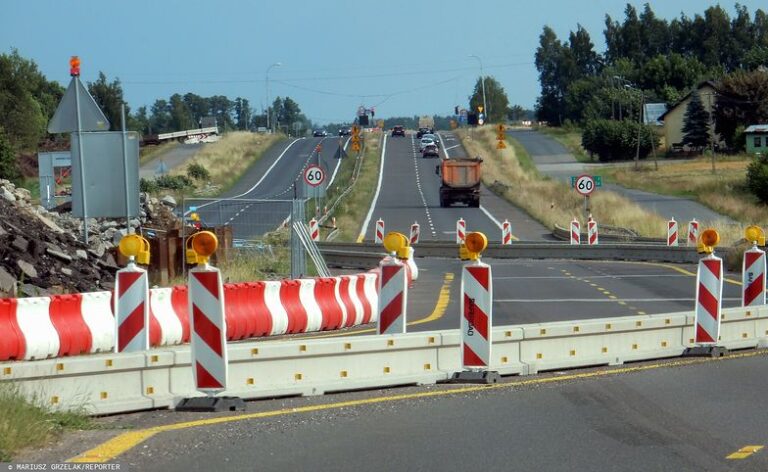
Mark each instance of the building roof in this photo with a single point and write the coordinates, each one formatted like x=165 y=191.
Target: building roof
x=679 y=102
x=757 y=129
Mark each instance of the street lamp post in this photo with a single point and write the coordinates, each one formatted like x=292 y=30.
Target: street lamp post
x=269 y=108
x=482 y=81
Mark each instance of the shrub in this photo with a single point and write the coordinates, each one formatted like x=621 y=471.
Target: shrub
x=173 y=182
x=148 y=185
x=757 y=178
x=616 y=140
x=9 y=168
x=198 y=172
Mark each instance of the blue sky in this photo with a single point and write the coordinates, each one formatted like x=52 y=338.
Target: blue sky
x=404 y=57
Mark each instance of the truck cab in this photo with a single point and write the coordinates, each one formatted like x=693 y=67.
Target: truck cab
x=460 y=181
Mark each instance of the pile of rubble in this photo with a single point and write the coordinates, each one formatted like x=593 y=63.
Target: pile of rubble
x=43 y=252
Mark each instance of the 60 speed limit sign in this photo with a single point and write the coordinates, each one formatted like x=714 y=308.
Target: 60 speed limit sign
x=314 y=175
x=585 y=184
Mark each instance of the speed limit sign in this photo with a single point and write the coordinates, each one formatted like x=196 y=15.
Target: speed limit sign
x=314 y=175
x=585 y=184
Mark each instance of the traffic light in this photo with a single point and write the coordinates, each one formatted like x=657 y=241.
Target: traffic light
x=456 y=110
x=363 y=120
x=472 y=119
x=373 y=112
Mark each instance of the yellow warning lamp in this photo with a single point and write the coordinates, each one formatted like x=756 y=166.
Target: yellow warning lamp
x=135 y=247
x=194 y=217
x=396 y=243
x=708 y=240
x=74 y=66
x=200 y=247
x=475 y=243
x=755 y=234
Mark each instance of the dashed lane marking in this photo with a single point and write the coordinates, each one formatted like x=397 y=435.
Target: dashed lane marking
x=744 y=452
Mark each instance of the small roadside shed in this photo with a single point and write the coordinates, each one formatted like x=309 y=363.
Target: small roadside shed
x=757 y=139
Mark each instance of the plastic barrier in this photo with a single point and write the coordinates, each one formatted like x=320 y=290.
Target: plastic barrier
x=66 y=317
x=34 y=321
x=370 y=297
x=236 y=322
x=278 y=313
x=351 y=299
x=325 y=294
x=96 y=310
x=180 y=304
x=12 y=342
x=291 y=301
x=258 y=310
x=161 y=309
x=307 y=298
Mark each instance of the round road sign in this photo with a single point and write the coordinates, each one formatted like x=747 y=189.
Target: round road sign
x=585 y=184
x=314 y=175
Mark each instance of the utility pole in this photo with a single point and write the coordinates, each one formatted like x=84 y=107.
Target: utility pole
x=482 y=81
x=711 y=129
x=269 y=108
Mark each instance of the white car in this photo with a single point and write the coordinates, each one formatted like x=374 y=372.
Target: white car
x=433 y=137
x=424 y=142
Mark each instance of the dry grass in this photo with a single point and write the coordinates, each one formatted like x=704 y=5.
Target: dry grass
x=571 y=139
x=548 y=201
x=228 y=158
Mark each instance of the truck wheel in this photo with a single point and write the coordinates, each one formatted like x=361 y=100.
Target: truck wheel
x=475 y=203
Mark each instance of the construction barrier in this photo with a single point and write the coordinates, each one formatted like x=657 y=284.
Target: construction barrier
x=506 y=233
x=132 y=309
x=709 y=289
x=672 y=239
x=314 y=230
x=753 y=277
x=461 y=230
x=393 y=296
x=575 y=232
x=379 y=236
x=592 y=232
x=415 y=230
x=693 y=232
x=209 y=341
x=476 y=315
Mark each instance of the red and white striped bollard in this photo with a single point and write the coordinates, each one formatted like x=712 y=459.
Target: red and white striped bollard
x=379 y=234
x=753 y=277
x=415 y=230
x=592 y=232
x=506 y=233
x=132 y=309
x=575 y=232
x=461 y=230
x=709 y=289
x=476 y=315
x=393 y=296
x=314 y=230
x=672 y=232
x=693 y=232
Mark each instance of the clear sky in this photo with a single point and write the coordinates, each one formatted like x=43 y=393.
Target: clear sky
x=403 y=57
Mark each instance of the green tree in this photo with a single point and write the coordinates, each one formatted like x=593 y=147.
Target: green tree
x=109 y=97
x=550 y=64
x=198 y=107
x=742 y=100
x=242 y=113
x=495 y=98
x=160 y=120
x=9 y=168
x=757 y=178
x=585 y=59
x=696 y=123
x=181 y=118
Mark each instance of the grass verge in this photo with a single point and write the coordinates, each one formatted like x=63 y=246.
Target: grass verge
x=24 y=424
x=571 y=139
x=548 y=201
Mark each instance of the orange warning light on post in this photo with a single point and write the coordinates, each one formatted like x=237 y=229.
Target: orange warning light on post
x=204 y=244
x=708 y=239
x=74 y=66
x=476 y=243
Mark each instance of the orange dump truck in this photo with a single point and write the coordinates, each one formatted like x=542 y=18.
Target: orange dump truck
x=460 y=181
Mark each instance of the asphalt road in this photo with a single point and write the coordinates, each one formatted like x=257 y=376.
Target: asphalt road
x=554 y=160
x=169 y=160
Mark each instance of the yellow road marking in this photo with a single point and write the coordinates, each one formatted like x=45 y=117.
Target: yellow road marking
x=360 y=238
x=669 y=266
x=744 y=452
x=124 y=442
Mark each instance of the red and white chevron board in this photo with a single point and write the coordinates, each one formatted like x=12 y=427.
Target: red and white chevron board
x=575 y=232
x=476 y=315
x=209 y=329
x=506 y=233
x=314 y=230
x=461 y=230
x=672 y=239
x=753 y=277
x=415 y=230
x=709 y=289
x=393 y=297
x=693 y=232
x=592 y=232
x=132 y=309
x=379 y=235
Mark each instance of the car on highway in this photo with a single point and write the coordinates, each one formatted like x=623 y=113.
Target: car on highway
x=319 y=133
x=430 y=150
x=345 y=131
x=433 y=137
x=398 y=130
x=425 y=142
x=422 y=131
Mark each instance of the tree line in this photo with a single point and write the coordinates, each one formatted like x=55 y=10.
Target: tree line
x=649 y=59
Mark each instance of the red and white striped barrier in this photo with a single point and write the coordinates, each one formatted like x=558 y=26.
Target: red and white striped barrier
x=506 y=233
x=461 y=230
x=592 y=233
x=753 y=277
x=476 y=315
x=672 y=239
x=415 y=230
x=132 y=309
x=165 y=319
x=314 y=230
x=709 y=289
x=575 y=232
x=393 y=297
x=693 y=232
x=379 y=235
x=209 y=328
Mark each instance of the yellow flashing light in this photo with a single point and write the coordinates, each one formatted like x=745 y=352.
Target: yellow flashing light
x=755 y=234
x=475 y=243
x=708 y=240
x=133 y=245
x=397 y=243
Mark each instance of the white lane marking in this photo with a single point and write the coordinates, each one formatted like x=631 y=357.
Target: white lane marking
x=495 y=221
x=590 y=277
x=378 y=190
x=600 y=300
x=338 y=164
x=451 y=147
x=423 y=198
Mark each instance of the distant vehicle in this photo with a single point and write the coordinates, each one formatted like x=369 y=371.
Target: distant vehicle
x=424 y=142
x=430 y=150
x=398 y=131
x=345 y=131
x=427 y=122
x=433 y=137
x=422 y=131
x=460 y=181
x=319 y=133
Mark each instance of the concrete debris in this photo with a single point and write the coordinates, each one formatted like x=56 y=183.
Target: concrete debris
x=27 y=269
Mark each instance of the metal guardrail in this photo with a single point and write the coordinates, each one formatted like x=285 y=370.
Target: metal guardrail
x=113 y=383
x=360 y=256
